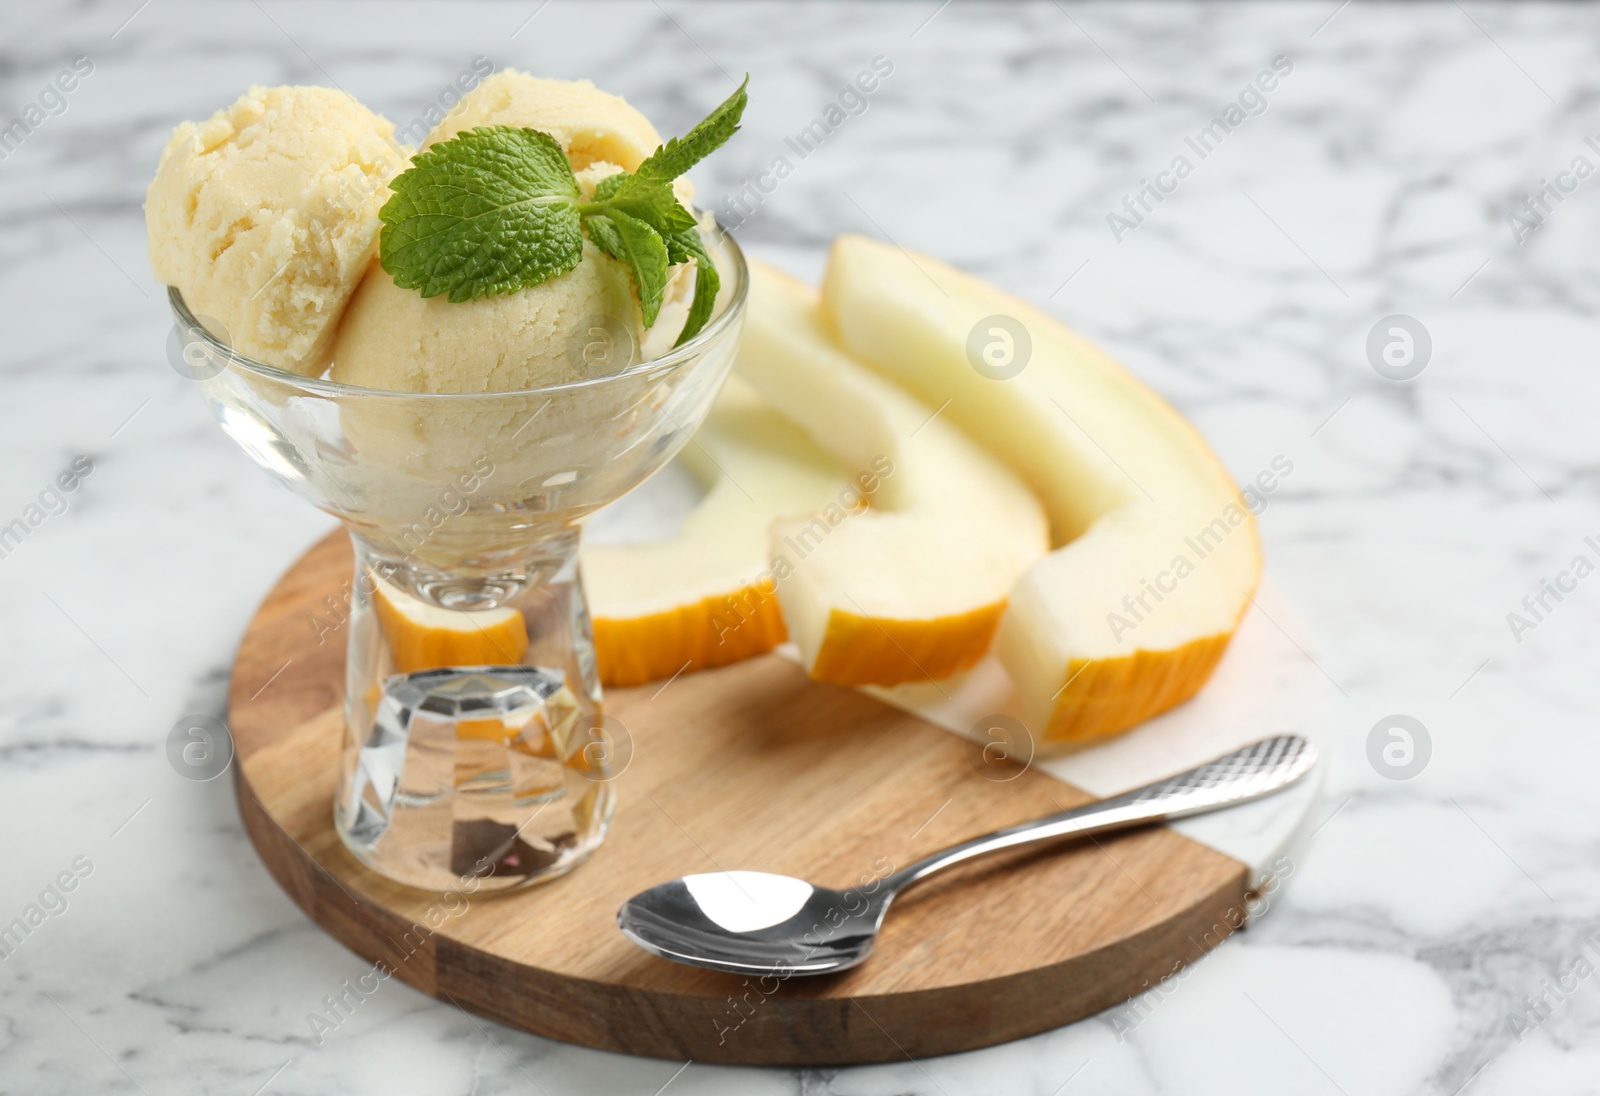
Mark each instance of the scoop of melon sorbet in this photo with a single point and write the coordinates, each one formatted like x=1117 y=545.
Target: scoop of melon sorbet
x=265 y=217
x=573 y=327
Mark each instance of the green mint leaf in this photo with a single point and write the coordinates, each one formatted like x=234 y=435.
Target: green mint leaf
x=652 y=201
x=606 y=237
x=645 y=253
x=706 y=284
x=685 y=244
x=488 y=212
x=681 y=153
x=606 y=188
x=681 y=247
x=656 y=205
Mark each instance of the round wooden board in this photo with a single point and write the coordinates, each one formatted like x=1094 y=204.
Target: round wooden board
x=752 y=766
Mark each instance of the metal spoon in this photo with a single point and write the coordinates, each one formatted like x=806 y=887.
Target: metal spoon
x=749 y=922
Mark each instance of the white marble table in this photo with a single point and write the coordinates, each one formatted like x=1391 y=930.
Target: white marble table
x=1427 y=913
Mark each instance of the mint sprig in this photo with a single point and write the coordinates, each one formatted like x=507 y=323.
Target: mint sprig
x=496 y=209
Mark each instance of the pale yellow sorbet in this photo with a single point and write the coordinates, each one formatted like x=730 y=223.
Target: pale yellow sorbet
x=582 y=324
x=591 y=125
x=265 y=217
x=396 y=339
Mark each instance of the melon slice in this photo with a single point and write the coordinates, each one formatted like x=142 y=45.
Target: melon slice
x=910 y=588
x=425 y=637
x=704 y=597
x=1157 y=555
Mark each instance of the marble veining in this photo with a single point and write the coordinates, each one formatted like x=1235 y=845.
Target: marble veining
x=1438 y=935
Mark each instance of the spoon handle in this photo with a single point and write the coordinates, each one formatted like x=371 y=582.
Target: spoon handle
x=1256 y=770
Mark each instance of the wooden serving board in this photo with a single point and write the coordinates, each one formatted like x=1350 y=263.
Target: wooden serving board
x=752 y=766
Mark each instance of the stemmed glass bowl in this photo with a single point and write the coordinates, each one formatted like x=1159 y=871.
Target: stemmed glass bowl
x=474 y=742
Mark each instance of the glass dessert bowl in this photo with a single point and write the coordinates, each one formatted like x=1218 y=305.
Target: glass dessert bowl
x=474 y=744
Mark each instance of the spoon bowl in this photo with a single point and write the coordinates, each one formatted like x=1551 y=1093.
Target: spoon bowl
x=751 y=922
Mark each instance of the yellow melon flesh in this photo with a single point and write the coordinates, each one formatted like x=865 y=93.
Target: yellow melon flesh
x=1156 y=557
x=912 y=587
x=705 y=597
x=426 y=637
